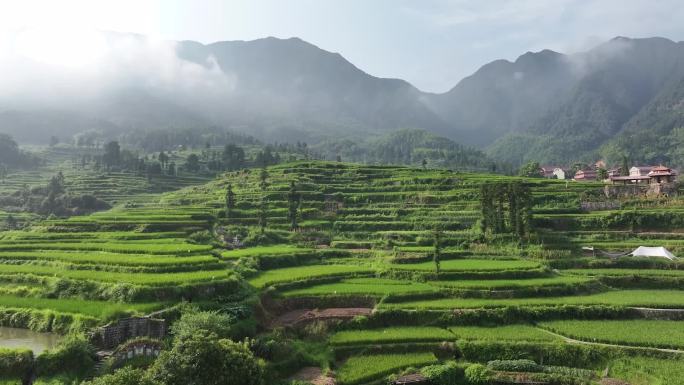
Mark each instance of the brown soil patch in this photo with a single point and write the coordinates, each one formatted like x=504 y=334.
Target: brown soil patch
x=313 y=375
x=411 y=379
x=295 y=317
x=613 y=381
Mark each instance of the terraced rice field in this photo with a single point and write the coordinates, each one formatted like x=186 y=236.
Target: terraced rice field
x=364 y=240
x=366 y=368
x=651 y=333
x=501 y=333
x=290 y=274
x=391 y=335
x=469 y=265
x=673 y=299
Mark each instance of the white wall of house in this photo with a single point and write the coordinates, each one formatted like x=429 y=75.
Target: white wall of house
x=637 y=171
x=559 y=173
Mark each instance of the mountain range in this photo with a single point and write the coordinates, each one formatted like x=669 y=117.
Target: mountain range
x=623 y=98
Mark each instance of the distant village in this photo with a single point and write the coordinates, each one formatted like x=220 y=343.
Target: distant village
x=650 y=181
x=636 y=175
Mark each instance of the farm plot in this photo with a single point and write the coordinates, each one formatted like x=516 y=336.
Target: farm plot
x=501 y=333
x=299 y=273
x=647 y=370
x=469 y=265
x=97 y=309
x=649 y=333
x=366 y=368
x=642 y=298
x=391 y=335
x=500 y=284
x=363 y=286
x=264 y=251
x=627 y=272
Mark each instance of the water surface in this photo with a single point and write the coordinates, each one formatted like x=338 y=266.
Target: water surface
x=13 y=338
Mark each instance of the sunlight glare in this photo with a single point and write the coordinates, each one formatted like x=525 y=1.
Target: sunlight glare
x=72 y=48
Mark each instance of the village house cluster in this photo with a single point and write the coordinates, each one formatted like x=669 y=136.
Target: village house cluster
x=637 y=174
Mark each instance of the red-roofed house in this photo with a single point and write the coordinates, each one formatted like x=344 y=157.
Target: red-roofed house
x=662 y=174
x=586 y=175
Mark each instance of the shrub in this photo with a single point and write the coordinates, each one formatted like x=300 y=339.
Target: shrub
x=207 y=360
x=123 y=376
x=447 y=374
x=544 y=353
x=515 y=366
x=16 y=362
x=74 y=355
x=194 y=321
x=477 y=374
x=200 y=237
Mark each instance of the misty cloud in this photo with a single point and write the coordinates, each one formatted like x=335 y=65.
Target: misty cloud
x=58 y=71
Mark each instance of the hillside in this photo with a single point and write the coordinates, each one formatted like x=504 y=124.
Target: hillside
x=408 y=147
x=359 y=246
x=544 y=106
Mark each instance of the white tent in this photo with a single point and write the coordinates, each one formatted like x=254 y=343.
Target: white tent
x=658 y=252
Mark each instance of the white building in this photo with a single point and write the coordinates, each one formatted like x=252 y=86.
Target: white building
x=640 y=170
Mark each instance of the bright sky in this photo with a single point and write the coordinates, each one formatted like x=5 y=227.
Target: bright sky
x=430 y=43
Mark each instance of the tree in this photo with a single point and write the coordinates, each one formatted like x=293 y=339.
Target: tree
x=54 y=141
x=531 y=170
x=233 y=157
x=163 y=159
x=263 y=185
x=424 y=164
x=624 y=170
x=124 y=376
x=265 y=157
x=230 y=200
x=192 y=163
x=194 y=321
x=506 y=208
x=112 y=154
x=293 y=202
x=56 y=184
x=437 y=251
x=10 y=222
x=171 y=169
x=578 y=166
x=202 y=359
x=601 y=174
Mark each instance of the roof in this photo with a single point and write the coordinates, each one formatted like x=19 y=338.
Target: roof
x=643 y=168
x=657 y=252
x=662 y=171
x=661 y=168
x=585 y=174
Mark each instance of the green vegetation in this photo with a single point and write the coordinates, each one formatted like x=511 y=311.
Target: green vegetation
x=391 y=335
x=271 y=277
x=288 y=255
x=501 y=333
x=366 y=368
x=647 y=298
x=470 y=265
x=660 y=334
x=649 y=371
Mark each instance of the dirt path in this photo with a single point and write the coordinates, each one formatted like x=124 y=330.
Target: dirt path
x=574 y=341
x=313 y=375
